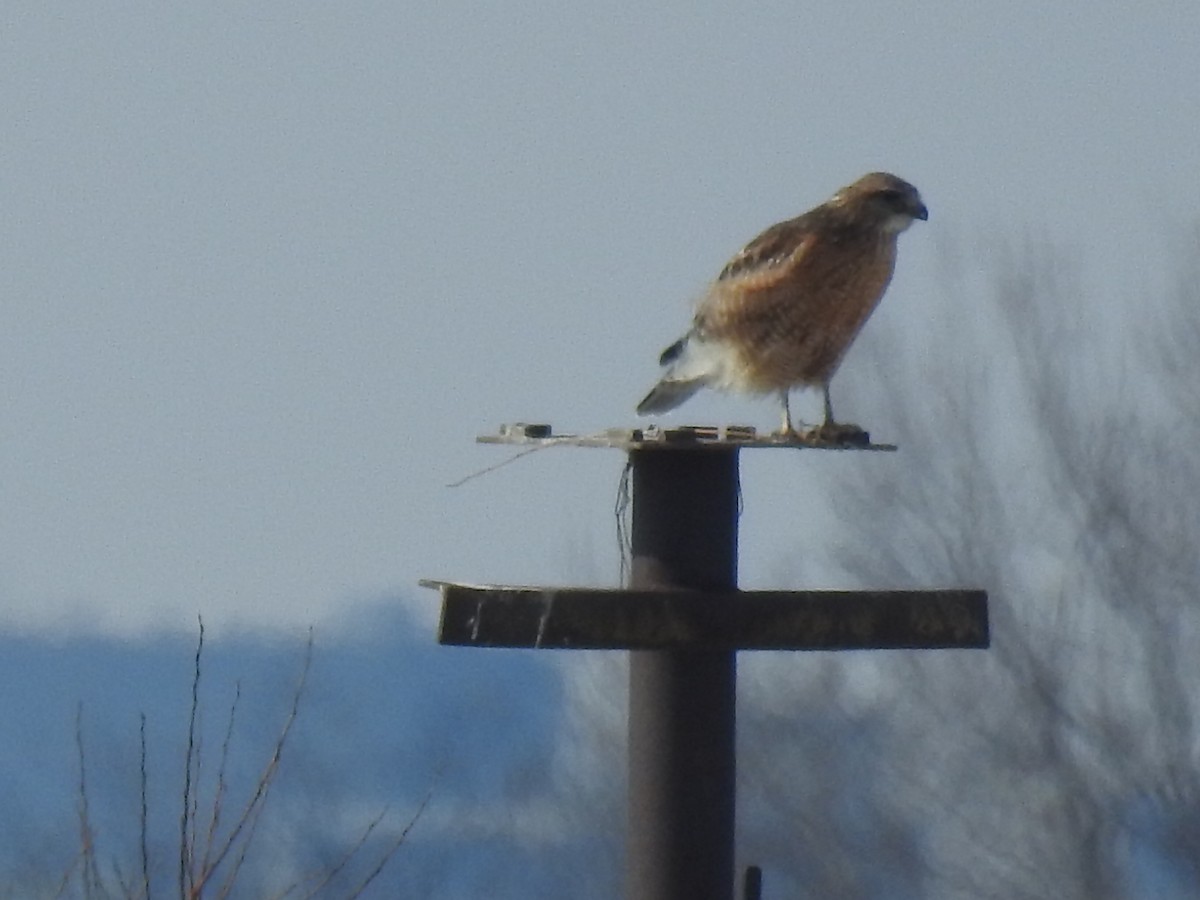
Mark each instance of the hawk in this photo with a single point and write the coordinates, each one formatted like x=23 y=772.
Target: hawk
x=784 y=311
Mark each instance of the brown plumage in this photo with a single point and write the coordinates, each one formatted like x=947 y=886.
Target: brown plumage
x=784 y=311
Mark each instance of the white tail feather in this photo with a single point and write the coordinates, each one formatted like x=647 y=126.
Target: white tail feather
x=667 y=395
x=691 y=365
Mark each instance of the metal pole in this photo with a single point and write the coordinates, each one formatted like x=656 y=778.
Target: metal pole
x=682 y=702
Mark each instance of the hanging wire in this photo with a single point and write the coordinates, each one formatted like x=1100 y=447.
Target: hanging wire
x=741 y=499
x=621 y=512
x=500 y=465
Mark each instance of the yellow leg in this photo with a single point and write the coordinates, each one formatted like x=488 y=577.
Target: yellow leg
x=787 y=413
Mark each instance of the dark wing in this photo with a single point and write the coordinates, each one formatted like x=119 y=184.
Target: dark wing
x=673 y=352
x=747 y=295
x=774 y=246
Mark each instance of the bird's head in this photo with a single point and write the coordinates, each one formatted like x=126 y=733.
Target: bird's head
x=889 y=201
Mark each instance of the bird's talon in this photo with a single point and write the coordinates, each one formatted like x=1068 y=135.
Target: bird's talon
x=840 y=433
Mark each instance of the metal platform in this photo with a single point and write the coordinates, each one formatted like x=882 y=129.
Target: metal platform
x=687 y=437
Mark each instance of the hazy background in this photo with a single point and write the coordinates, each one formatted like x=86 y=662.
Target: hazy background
x=266 y=271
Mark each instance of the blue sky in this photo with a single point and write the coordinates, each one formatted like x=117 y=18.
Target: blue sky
x=267 y=270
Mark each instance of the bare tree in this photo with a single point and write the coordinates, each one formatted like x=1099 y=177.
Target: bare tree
x=215 y=848
x=1050 y=456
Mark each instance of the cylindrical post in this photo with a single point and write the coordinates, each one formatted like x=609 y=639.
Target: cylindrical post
x=682 y=702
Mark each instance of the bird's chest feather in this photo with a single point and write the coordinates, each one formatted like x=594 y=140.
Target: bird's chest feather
x=796 y=327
